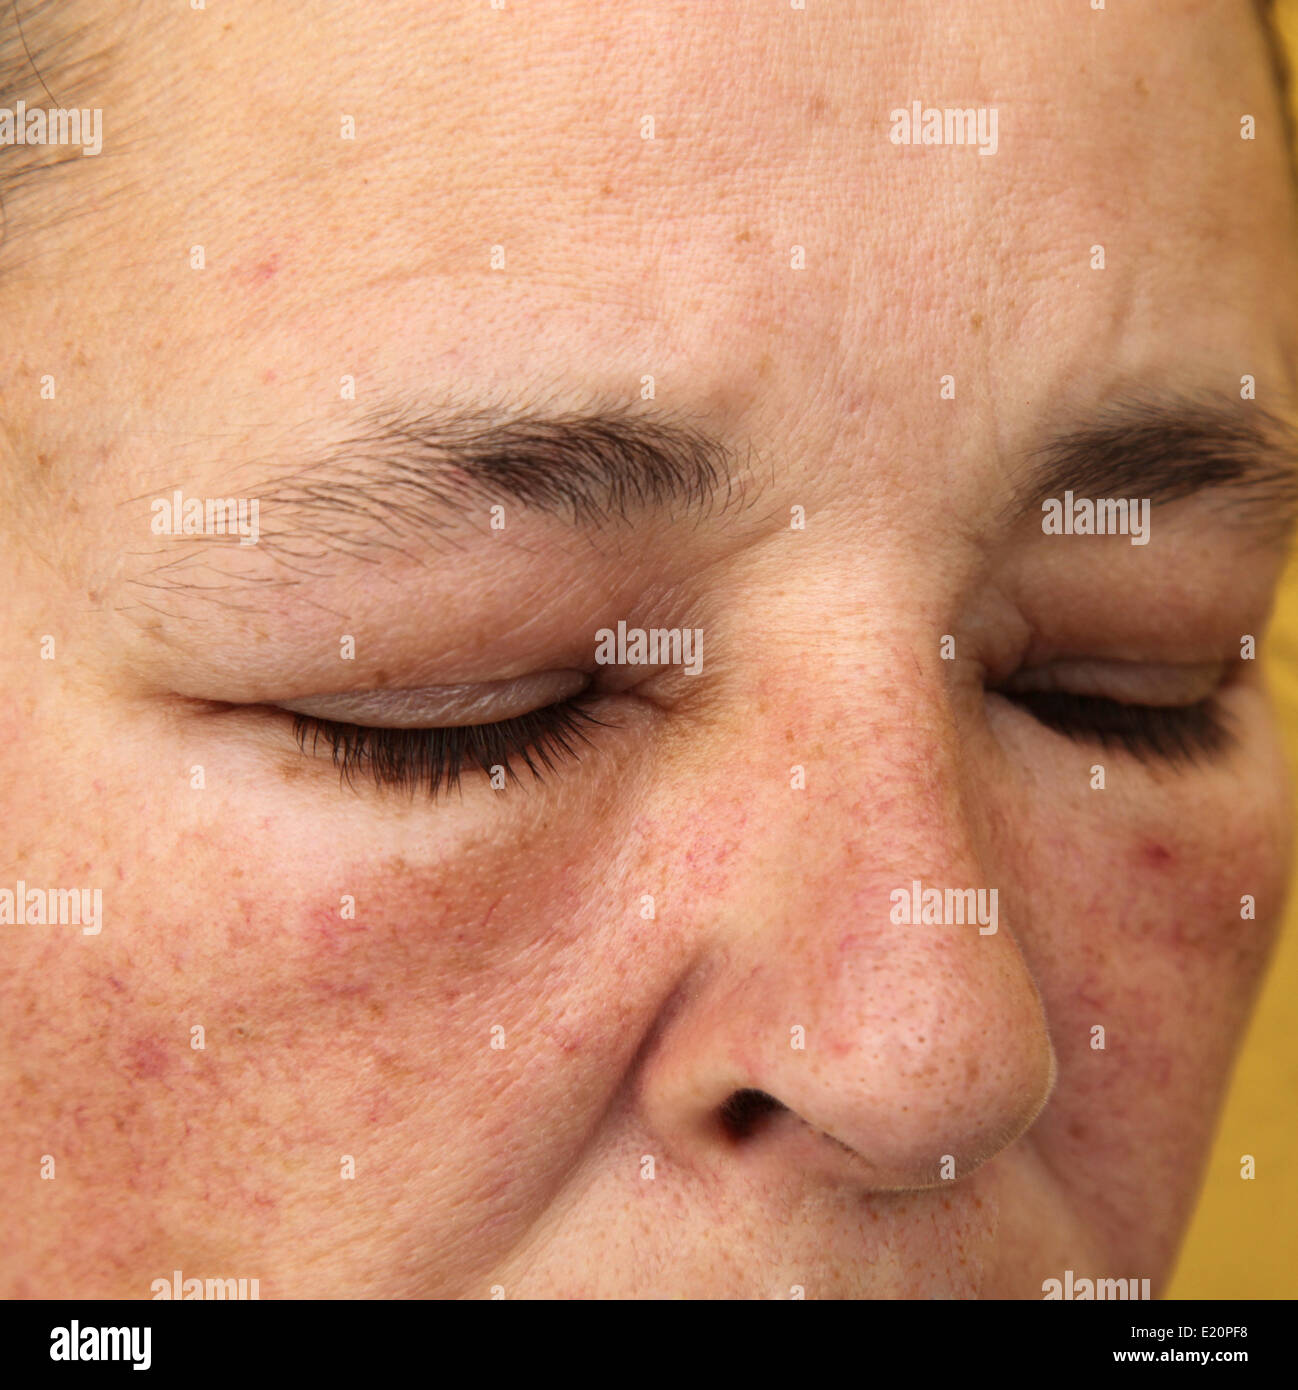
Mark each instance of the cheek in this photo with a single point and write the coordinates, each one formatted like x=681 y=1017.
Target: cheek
x=1162 y=894
x=1201 y=889
x=455 y=1014
x=1133 y=925
x=464 y=1022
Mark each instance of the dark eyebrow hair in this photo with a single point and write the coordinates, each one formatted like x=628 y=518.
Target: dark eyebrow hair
x=415 y=470
x=1167 y=450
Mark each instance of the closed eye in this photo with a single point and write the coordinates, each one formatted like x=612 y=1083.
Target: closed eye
x=1172 y=733
x=435 y=760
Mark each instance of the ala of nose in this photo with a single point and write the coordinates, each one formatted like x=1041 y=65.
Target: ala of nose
x=887 y=1054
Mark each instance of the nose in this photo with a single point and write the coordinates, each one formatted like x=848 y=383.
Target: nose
x=839 y=1020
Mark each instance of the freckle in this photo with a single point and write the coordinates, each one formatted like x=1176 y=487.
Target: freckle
x=745 y=235
x=977 y=321
x=1141 y=86
x=606 y=190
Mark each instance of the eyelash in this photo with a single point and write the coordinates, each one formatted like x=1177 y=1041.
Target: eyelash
x=1178 y=734
x=435 y=760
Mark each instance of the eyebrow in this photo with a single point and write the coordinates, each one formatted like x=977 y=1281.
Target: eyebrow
x=1169 y=450
x=415 y=471
x=409 y=474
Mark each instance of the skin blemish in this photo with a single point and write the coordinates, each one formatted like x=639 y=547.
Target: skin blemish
x=148 y=1058
x=1155 y=856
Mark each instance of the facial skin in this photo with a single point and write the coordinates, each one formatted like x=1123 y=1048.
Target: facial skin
x=522 y=1166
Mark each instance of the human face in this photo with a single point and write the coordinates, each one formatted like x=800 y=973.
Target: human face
x=524 y=1013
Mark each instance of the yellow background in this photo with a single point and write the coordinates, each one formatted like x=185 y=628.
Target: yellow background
x=1241 y=1242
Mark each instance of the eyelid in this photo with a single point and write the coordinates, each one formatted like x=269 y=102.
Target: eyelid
x=445 y=706
x=1125 y=682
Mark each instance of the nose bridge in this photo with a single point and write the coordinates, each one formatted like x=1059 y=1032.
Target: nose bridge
x=887 y=794
x=896 y=902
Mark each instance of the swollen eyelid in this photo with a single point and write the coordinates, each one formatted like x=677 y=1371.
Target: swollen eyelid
x=447 y=706
x=1124 y=682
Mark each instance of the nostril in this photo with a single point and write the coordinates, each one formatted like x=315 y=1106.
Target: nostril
x=744 y=1111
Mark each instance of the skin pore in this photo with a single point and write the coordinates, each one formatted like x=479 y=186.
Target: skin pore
x=369 y=257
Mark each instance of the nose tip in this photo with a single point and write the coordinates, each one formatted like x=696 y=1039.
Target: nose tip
x=953 y=1068
x=910 y=1076
x=947 y=1108
x=919 y=1142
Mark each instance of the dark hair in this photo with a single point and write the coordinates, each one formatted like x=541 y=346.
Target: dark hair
x=53 y=53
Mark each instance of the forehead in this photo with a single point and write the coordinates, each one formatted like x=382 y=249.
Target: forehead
x=437 y=193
